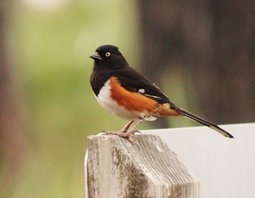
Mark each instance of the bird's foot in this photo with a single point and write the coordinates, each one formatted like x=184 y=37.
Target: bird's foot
x=128 y=135
x=118 y=133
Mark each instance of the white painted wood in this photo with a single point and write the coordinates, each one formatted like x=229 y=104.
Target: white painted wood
x=225 y=167
x=116 y=168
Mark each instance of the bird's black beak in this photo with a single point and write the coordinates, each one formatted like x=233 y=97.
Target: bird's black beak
x=96 y=56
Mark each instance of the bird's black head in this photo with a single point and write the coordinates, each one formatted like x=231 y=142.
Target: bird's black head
x=109 y=56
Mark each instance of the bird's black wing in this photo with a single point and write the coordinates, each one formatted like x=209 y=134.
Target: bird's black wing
x=134 y=81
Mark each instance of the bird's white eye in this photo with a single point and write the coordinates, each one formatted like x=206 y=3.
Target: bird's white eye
x=107 y=54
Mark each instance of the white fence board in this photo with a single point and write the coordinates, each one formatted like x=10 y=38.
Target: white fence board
x=225 y=167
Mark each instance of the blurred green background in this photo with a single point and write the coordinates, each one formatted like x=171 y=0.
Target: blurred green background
x=48 y=44
x=51 y=42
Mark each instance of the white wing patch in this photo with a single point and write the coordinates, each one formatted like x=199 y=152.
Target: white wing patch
x=142 y=91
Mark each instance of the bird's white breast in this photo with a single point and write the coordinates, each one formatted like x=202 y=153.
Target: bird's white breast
x=108 y=103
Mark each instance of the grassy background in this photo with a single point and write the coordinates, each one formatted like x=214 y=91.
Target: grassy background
x=51 y=47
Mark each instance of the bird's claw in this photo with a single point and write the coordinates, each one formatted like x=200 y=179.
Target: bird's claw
x=126 y=135
x=137 y=132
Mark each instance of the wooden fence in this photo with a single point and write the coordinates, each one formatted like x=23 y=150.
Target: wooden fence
x=114 y=168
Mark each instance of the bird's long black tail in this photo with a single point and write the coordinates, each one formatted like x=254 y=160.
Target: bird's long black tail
x=204 y=122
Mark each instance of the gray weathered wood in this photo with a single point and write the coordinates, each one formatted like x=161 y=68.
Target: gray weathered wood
x=116 y=168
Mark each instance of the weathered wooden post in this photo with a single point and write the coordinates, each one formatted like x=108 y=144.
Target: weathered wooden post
x=116 y=168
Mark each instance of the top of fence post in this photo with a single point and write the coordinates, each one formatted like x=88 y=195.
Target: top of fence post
x=116 y=168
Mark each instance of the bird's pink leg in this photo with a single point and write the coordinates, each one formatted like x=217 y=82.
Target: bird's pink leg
x=128 y=130
x=122 y=131
x=129 y=134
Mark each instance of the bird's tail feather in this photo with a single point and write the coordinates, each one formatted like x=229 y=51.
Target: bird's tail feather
x=204 y=122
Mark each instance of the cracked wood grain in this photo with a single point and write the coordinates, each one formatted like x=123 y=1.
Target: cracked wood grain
x=116 y=168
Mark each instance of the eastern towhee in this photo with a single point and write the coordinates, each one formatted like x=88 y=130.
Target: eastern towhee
x=129 y=94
